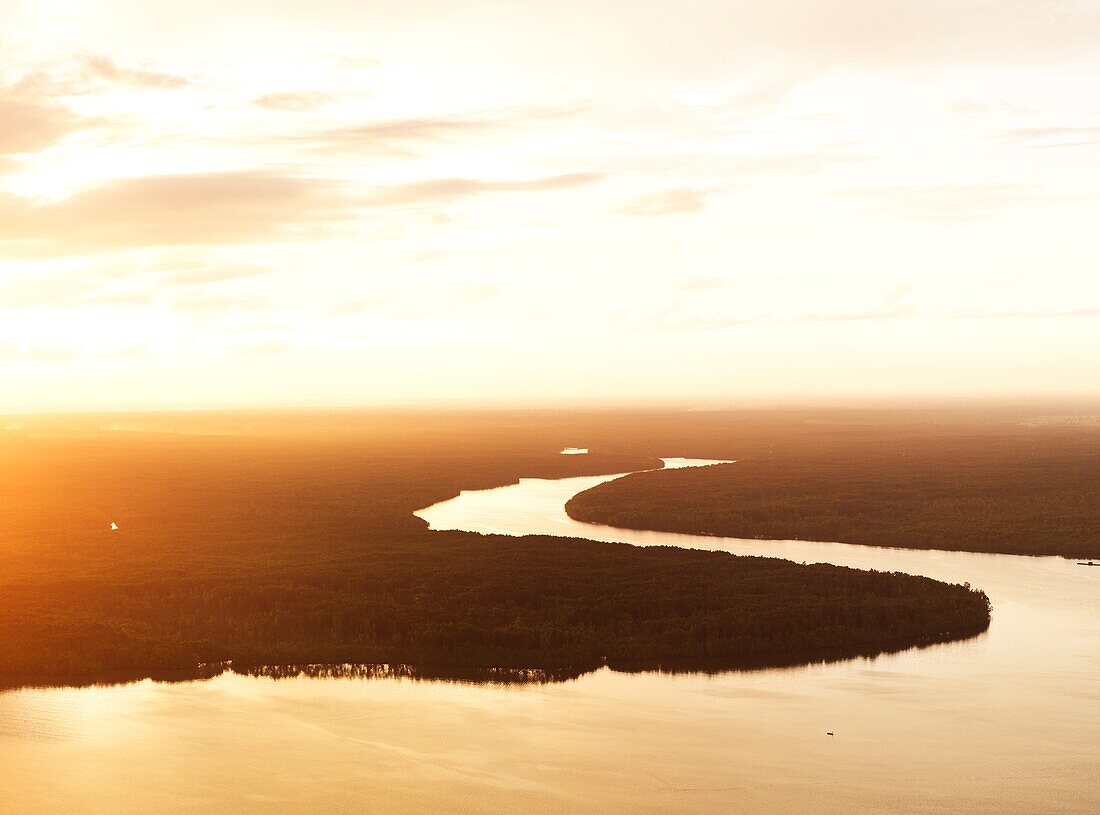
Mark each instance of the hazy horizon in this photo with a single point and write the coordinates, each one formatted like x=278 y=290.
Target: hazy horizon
x=376 y=203
x=965 y=402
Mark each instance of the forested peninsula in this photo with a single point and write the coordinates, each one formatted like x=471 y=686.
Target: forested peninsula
x=289 y=541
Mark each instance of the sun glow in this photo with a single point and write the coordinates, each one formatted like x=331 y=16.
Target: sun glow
x=799 y=218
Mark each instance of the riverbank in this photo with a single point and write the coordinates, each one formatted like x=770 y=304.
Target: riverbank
x=1005 y=494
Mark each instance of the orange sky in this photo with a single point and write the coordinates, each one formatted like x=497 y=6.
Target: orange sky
x=220 y=203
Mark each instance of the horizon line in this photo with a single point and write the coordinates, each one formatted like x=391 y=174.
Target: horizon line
x=679 y=404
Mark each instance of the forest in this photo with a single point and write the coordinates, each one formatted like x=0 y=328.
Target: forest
x=1022 y=493
x=289 y=539
x=475 y=601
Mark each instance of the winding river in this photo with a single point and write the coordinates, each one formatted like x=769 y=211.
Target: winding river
x=1008 y=722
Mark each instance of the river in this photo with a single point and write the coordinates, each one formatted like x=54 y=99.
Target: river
x=1007 y=722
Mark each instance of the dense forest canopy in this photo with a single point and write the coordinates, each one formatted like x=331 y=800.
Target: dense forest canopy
x=289 y=538
x=1028 y=493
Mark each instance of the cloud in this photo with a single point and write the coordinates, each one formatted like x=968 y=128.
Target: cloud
x=52 y=353
x=865 y=33
x=1021 y=314
x=428 y=127
x=767 y=95
x=204 y=274
x=675 y=318
x=29 y=123
x=479 y=292
x=897 y=305
x=213 y=305
x=703 y=284
x=63 y=353
x=122 y=298
x=898 y=301
x=16 y=352
x=446 y=189
x=801 y=164
x=37 y=352
x=85 y=287
x=751 y=102
x=48 y=289
x=977 y=107
x=105 y=69
x=116 y=284
x=174 y=210
x=684 y=199
x=352 y=308
x=262 y=347
x=703 y=37
x=218 y=208
x=393 y=136
x=293 y=102
x=427 y=255
x=1054 y=136
x=954 y=203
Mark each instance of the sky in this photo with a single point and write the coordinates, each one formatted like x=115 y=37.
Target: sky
x=520 y=202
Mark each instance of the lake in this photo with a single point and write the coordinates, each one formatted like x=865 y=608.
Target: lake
x=1008 y=722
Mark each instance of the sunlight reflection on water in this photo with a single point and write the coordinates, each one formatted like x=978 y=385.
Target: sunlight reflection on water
x=1006 y=722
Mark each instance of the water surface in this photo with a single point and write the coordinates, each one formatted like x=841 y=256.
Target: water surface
x=1008 y=722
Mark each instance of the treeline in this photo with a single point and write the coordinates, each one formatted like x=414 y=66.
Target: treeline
x=467 y=600
x=978 y=495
